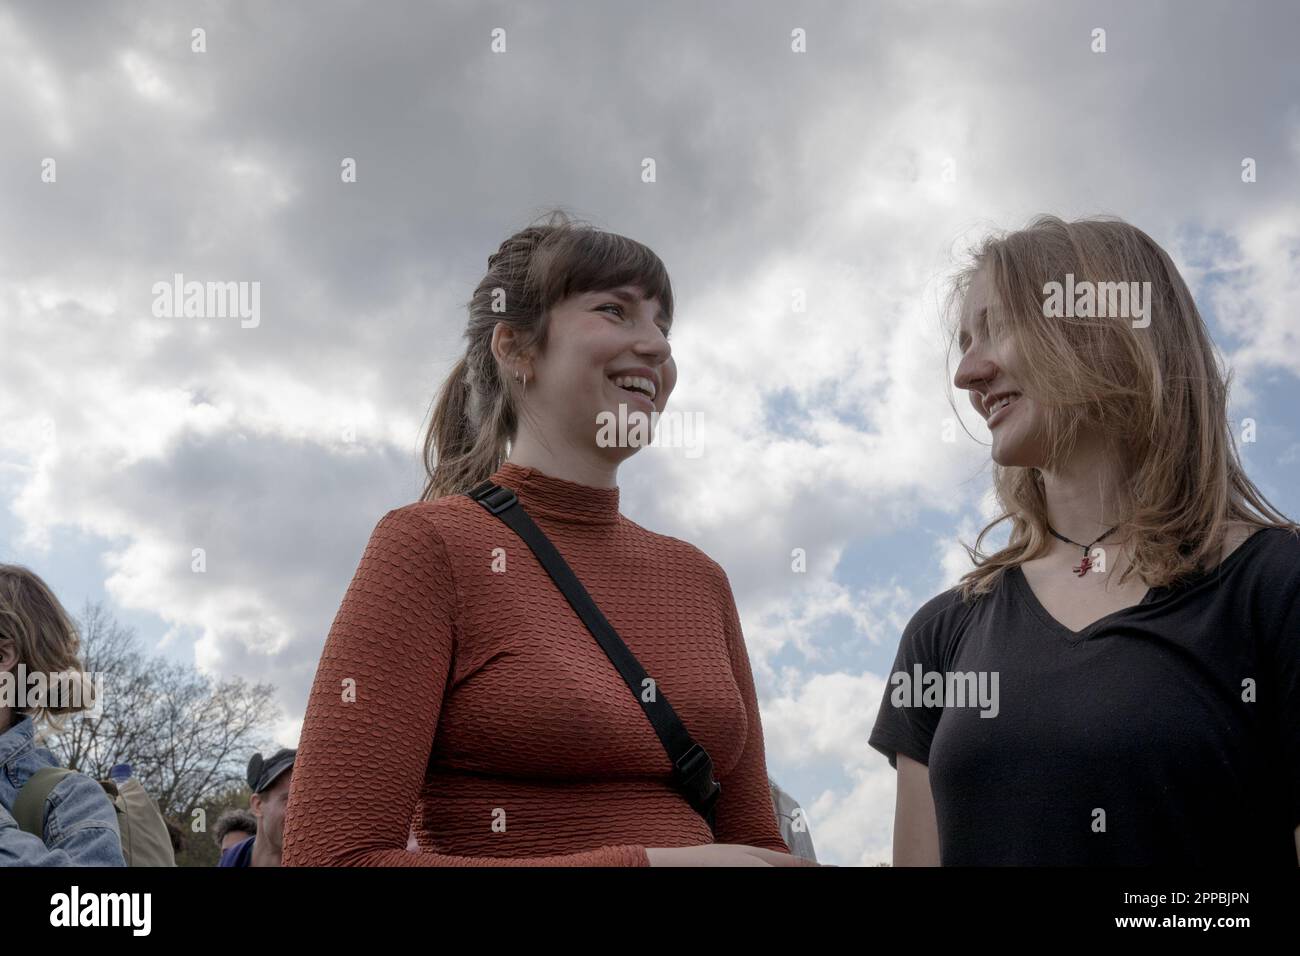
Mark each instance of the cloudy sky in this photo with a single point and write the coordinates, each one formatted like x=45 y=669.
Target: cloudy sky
x=858 y=171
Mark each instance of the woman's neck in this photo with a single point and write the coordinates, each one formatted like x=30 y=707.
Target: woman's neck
x=583 y=466
x=1082 y=498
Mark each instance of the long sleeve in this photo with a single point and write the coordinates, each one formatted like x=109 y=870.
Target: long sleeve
x=80 y=830
x=744 y=813
x=361 y=762
x=20 y=848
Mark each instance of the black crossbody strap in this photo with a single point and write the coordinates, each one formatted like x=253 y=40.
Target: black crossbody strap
x=692 y=765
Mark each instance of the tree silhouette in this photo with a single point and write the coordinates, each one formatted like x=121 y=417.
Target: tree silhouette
x=188 y=738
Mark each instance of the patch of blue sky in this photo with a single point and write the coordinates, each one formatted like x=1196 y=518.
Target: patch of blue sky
x=75 y=571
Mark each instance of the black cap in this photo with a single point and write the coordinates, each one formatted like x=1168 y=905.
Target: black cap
x=262 y=773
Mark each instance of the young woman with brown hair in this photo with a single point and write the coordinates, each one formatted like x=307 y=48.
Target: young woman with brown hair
x=457 y=687
x=1141 y=627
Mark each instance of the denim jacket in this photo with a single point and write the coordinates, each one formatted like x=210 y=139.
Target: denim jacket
x=80 y=820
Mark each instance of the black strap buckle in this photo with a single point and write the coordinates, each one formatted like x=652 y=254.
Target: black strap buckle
x=695 y=771
x=493 y=497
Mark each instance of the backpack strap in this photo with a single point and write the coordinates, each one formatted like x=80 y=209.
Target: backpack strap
x=29 y=805
x=692 y=765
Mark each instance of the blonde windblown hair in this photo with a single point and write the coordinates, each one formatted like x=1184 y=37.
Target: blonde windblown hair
x=1156 y=392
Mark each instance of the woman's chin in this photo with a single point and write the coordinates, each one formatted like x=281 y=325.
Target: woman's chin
x=1017 y=458
x=1010 y=453
x=624 y=430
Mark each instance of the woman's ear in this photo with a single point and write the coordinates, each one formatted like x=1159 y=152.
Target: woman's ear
x=8 y=654
x=503 y=342
x=504 y=348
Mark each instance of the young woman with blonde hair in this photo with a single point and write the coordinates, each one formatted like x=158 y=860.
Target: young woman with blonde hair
x=1141 y=627
x=457 y=688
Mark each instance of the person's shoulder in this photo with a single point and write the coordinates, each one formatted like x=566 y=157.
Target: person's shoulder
x=676 y=550
x=78 y=801
x=76 y=782
x=437 y=513
x=1274 y=548
x=1270 y=573
x=935 y=625
x=37 y=757
x=939 y=613
x=237 y=855
x=436 y=520
x=1270 y=565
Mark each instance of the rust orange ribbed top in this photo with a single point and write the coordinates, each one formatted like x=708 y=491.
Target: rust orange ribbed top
x=486 y=710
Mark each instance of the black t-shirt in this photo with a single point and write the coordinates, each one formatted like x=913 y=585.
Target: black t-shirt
x=1128 y=742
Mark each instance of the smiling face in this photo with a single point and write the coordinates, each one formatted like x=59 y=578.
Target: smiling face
x=988 y=373
x=594 y=339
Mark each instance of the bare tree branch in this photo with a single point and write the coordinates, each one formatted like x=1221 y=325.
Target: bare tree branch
x=187 y=738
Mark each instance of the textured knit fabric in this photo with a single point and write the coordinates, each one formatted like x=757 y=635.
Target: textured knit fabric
x=458 y=685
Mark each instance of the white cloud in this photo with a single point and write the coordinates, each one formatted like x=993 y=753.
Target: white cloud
x=823 y=172
x=1260 y=299
x=827 y=720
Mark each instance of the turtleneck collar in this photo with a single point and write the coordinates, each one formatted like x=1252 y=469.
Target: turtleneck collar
x=543 y=494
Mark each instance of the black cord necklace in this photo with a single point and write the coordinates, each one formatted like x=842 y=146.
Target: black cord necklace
x=1086 y=564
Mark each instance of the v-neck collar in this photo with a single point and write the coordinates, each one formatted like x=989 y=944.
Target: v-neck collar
x=1153 y=595
x=1040 y=610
